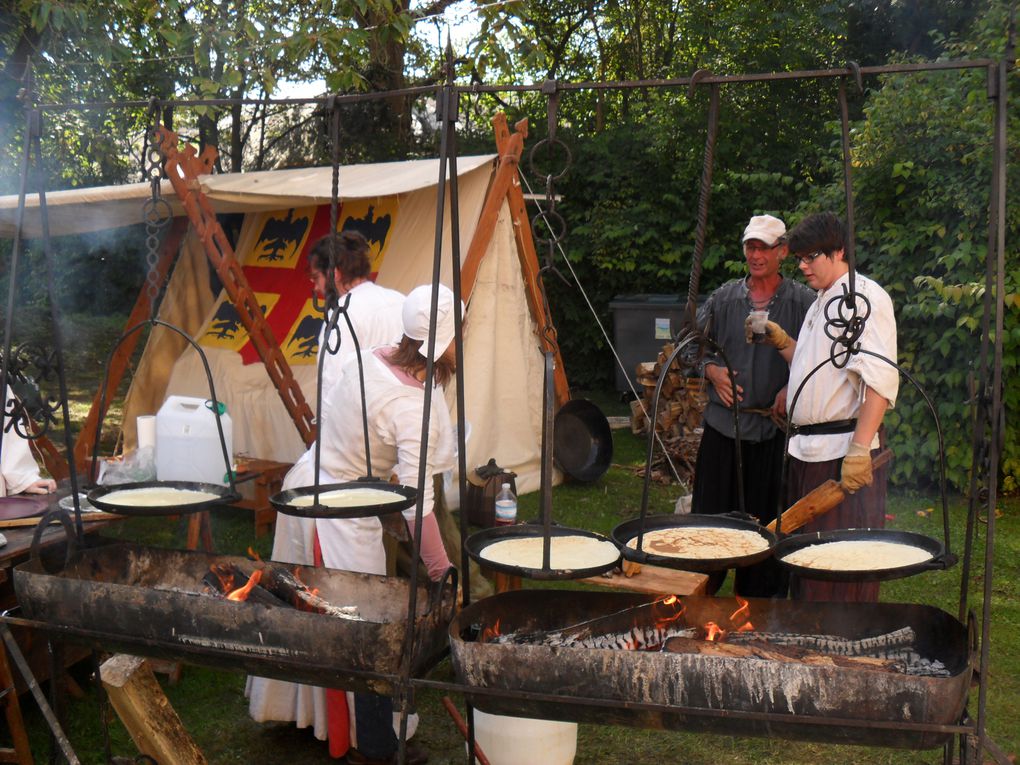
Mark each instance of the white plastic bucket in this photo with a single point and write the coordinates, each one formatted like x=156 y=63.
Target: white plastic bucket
x=188 y=443
x=517 y=740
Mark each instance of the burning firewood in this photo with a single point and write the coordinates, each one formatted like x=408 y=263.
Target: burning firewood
x=271 y=586
x=284 y=585
x=226 y=578
x=642 y=628
x=778 y=653
x=881 y=646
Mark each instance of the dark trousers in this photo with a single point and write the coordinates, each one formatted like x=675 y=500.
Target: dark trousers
x=864 y=509
x=373 y=723
x=715 y=491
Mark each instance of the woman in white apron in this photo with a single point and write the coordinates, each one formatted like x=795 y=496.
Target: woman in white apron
x=395 y=400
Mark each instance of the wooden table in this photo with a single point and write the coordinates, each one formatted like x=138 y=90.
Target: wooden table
x=268 y=478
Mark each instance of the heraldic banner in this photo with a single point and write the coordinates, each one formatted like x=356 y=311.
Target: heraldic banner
x=275 y=262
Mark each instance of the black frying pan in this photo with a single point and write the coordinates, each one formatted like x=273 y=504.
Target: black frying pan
x=482 y=539
x=939 y=560
x=405 y=498
x=224 y=496
x=629 y=530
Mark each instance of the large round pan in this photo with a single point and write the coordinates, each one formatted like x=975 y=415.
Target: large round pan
x=404 y=497
x=582 y=440
x=478 y=541
x=939 y=559
x=629 y=530
x=224 y=496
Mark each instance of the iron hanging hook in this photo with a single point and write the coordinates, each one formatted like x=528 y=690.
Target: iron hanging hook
x=855 y=70
x=696 y=78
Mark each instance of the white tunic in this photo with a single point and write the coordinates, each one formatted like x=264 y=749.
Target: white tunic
x=395 y=411
x=836 y=394
x=18 y=469
x=375 y=314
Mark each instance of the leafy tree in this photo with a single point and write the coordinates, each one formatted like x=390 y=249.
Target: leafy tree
x=922 y=175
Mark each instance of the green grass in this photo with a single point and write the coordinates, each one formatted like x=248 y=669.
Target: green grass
x=213 y=709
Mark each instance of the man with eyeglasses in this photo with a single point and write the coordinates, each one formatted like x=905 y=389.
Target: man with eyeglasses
x=837 y=415
x=760 y=377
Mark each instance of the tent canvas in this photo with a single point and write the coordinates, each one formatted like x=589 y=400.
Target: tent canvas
x=503 y=361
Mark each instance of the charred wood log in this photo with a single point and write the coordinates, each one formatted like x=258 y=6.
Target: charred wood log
x=224 y=578
x=882 y=646
x=779 y=653
x=644 y=627
x=285 y=586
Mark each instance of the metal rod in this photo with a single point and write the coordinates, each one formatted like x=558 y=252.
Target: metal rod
x=58 y=334
x=703 y=199
x=997 y=433
x=40 y=698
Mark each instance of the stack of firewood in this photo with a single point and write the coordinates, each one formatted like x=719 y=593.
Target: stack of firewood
x=678 y=421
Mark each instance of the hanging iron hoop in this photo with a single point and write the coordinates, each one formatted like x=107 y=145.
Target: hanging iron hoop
x=554 y=223
x=551 y=146
x=942 y=555
x=224 y=494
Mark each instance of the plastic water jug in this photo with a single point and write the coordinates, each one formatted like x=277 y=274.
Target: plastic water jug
x=517 y=740
x=188 y=444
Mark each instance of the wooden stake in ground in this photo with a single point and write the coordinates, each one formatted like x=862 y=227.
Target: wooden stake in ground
x=146 y=712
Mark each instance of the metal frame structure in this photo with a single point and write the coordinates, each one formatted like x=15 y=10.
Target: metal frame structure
x=988 y=432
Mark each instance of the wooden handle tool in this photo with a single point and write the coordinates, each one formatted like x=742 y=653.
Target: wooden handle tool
x=820 y=500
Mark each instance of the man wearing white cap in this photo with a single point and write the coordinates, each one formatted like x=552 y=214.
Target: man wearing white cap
x=760 y=385
x=394 y=377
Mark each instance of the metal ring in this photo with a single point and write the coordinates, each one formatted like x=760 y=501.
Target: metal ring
x=550 y=218
x=552 y=142
x=156 y=211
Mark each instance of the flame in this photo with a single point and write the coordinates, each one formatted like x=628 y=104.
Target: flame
x=254 y=555
x=742 y=614
x=666 y=610
x=488 y=633
x=242 y=592
x=714 y=632
x=224 y=575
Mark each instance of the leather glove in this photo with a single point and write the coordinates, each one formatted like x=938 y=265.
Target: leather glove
x=774 y=334
x=856 y=471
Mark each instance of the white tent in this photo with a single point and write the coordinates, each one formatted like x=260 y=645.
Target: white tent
x=503 y=360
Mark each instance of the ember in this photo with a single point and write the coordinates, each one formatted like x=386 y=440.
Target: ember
x=644 y=628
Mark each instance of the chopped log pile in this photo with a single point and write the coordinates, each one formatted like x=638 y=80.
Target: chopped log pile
x=681 y=403
x=272 y=586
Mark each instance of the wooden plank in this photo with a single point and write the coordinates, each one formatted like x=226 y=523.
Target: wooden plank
x=655 y=580
x=146 y=712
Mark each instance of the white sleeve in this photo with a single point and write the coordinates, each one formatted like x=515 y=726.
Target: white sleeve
x=407 y=419
x=879 y=337
x=17 y=464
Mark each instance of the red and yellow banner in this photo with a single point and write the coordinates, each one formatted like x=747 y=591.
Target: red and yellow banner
x=276 y=266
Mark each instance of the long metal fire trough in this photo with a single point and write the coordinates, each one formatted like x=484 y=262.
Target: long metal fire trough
x=738 y=696
x=148 y=601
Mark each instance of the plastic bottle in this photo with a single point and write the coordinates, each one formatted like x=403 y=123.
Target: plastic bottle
x=506 y=506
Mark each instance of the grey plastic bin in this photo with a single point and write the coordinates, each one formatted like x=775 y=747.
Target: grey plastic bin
x=642 y=324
